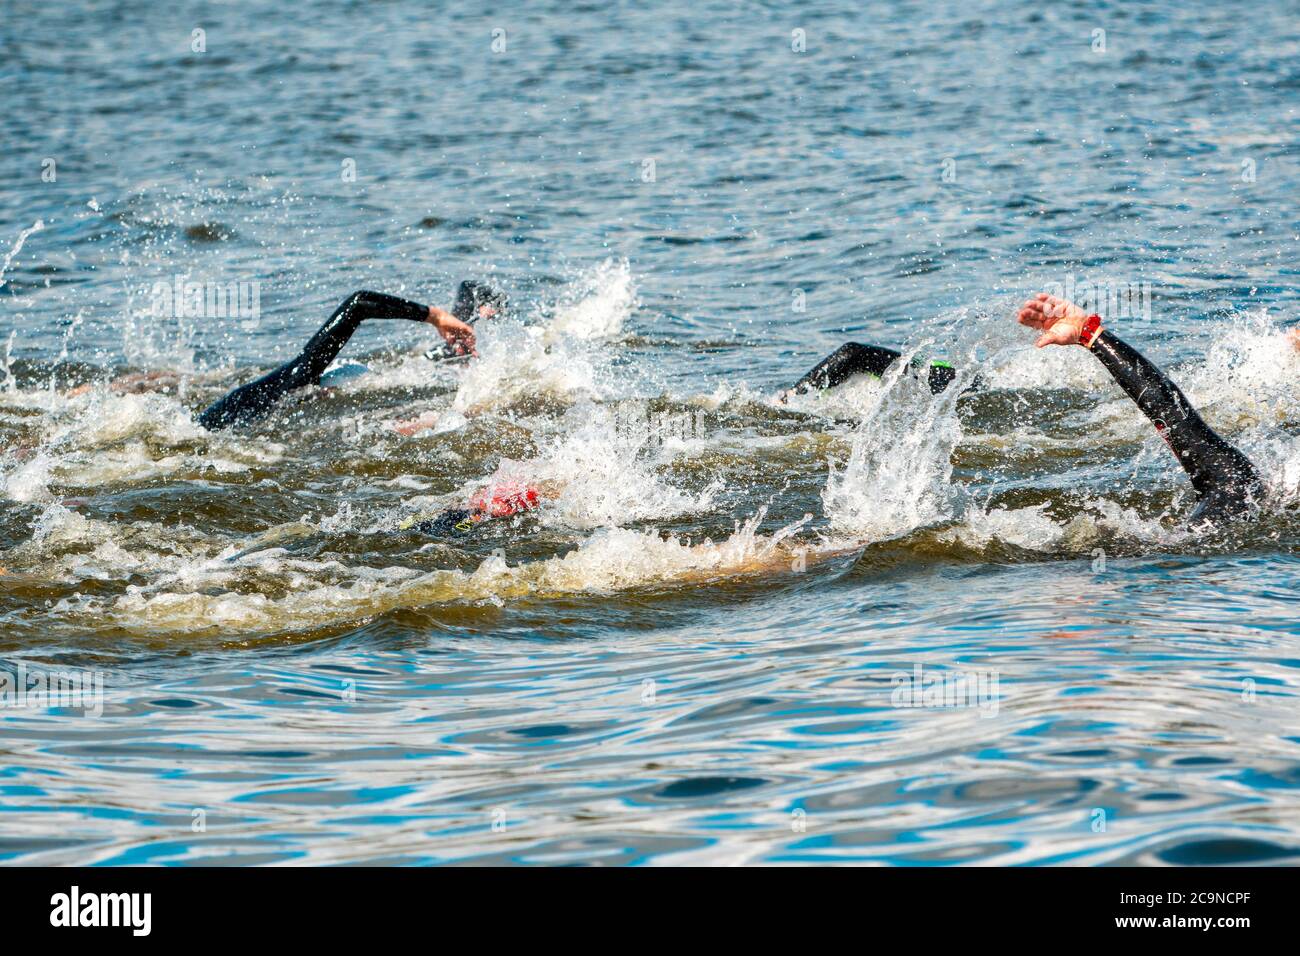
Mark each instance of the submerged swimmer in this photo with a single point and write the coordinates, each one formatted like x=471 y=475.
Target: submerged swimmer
x=502 y=500
x=473 y=301
x=135 y=383
x=854 y=358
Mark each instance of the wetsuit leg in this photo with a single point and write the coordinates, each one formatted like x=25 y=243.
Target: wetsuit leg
x=1224 y=478
x=249 y=401
x=853 y=358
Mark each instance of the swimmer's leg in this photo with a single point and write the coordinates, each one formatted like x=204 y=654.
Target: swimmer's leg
x=1224 y=478
x=255 y=398
x=854 y=358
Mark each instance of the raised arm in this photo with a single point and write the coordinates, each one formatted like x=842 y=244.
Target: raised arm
x=325 y=345
x=249 y=401
x=1222 y=475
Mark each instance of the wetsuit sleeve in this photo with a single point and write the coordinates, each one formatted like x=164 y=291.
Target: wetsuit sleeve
x=251 y=400
x=1217 y=469
x=325 y=345
x=853 y=358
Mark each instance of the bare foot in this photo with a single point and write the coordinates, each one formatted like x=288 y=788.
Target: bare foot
x=1294 y=336
x=1060 y=320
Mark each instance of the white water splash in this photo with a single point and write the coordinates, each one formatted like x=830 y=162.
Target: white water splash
x=597 y=305
x=565 y=358
x=102 y=438
x=899 y=470
x=603 y=468
x=17 y=247
x=316 y=595
x=11 y=384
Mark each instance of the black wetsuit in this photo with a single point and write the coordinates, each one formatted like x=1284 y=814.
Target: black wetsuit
x=1224 y=478
x=854 y=358
x=254 y=399
x=249 y=401
x=1228 y=484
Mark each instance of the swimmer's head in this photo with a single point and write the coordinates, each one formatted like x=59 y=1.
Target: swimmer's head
x=477 y=300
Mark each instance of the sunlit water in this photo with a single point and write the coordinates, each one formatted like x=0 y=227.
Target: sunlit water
x=700 y=650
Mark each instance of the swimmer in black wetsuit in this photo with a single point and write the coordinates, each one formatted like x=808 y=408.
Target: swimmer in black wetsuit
x=1228 y=484
x=473 y=301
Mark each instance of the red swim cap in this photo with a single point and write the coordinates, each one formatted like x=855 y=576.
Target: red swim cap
x=507 y=498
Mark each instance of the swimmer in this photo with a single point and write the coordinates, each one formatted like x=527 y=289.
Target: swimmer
x=854 y=358
x=1227 y=484
x=135 y=384
x=473 y=301
x=502 y=500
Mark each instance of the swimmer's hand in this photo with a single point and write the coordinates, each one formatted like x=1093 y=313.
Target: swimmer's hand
x=457 y=334
x=1060 y=320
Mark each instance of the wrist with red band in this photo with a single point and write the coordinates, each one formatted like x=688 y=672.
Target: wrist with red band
x=1090 y=330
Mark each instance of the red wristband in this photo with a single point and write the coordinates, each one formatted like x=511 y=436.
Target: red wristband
x=1091 y=329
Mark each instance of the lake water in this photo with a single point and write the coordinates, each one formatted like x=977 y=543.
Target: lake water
x=704 y=649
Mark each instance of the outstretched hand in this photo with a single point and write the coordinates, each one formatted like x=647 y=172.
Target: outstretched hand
x=1060 y=320
x=457 y=334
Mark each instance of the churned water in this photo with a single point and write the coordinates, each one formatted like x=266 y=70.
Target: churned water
x=870 y=625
